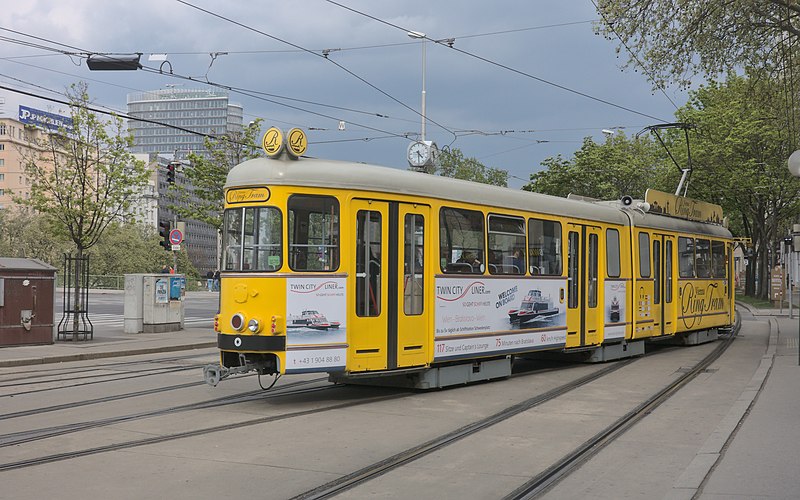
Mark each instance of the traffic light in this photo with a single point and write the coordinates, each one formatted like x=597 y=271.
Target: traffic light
x=171 y=167
x=163 y=231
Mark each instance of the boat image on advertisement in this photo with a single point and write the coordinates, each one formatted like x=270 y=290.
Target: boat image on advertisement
x=311 y=319
x=533 y=307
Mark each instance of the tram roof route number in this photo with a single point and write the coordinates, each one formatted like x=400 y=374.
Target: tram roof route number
x=273 y=142
x=297 y=142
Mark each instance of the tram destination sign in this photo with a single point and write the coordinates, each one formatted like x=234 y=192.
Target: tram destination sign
x=682 y=207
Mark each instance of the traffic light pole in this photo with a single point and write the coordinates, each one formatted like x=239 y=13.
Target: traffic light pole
x=174 y=255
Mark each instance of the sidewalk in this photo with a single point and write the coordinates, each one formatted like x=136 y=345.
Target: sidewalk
x=108 y=343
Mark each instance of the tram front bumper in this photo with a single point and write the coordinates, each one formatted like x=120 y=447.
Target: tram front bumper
x=251 y=343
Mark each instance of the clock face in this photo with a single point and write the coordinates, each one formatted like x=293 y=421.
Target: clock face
x=418 y=154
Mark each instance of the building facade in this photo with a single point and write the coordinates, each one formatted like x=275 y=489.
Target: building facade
x=205 y=111
x=20 y=127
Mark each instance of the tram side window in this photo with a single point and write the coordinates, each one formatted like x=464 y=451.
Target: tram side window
x=685 y=257
x=718 y=260
x=461 y=241
x=233 y=239
x=544 y=247
x=702 y=258
x=644 y=255
x=612 y=253
x=313 y=233
x=252 y=239
x=506 y=245
x=592 y=271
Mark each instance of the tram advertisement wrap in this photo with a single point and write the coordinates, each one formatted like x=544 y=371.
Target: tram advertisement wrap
x=615 y=309
x=316 y=329
x=485 y=315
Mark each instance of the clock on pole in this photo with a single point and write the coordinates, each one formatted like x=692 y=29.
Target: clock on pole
x=422 y=153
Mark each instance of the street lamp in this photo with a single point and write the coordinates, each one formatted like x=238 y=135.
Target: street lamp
x=421 y=36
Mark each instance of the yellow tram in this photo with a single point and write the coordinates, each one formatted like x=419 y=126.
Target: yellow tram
x=364 y=271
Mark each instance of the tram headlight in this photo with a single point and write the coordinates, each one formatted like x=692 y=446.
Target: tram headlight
x=254 y=326
x=237 y=322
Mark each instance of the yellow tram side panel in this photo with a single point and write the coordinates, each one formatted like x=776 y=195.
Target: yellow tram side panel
x=703 y=304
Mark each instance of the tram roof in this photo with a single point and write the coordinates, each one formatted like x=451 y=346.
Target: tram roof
x=314 y=172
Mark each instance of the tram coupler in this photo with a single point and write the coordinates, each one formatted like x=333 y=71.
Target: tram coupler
x=213 y=374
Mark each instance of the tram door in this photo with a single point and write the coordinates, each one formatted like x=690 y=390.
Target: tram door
x=664 y=284
x=412 y=293
x=387 y=328
x=584 y=294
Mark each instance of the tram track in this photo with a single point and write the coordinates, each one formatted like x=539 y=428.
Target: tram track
x=550 y=475
x=370 y=472
x=21 y=377
x=17 y=438
x=196 y=432
x=126 y=376
x=548 y=478
x=97 y=375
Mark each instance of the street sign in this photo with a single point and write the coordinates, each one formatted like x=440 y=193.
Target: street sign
x=176 y=248
x=175 y=237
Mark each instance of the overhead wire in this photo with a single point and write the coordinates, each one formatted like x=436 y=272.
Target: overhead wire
x=338 y=65
x=252 y=94
x=497 y=64
x=256 y=94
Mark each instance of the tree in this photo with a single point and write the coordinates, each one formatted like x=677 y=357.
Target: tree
x=29 y=235
x=128 y=248
x=454 y=164
x=675 y=40
x=620 y=166
x=739 y=151
x=207 y=173
x=82 y=178
x=204 y=199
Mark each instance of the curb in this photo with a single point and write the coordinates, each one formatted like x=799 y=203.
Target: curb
x=106 y=354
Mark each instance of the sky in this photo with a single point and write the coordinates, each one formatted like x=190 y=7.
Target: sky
x=523 y=81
